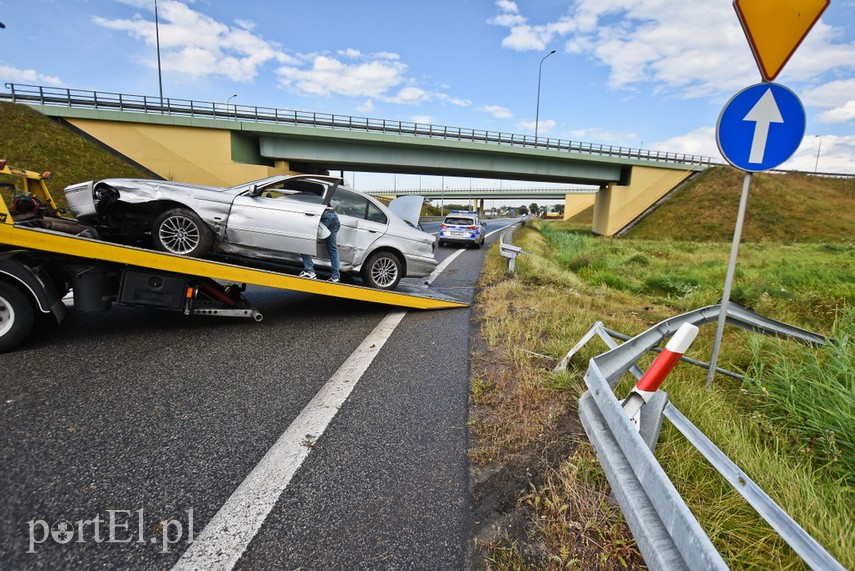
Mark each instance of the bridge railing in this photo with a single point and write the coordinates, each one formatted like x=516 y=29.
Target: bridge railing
x=86 y=99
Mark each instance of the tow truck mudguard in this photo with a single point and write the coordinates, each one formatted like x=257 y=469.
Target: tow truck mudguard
x=15 y=267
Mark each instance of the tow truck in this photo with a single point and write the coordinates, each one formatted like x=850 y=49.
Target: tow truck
x=48 y=259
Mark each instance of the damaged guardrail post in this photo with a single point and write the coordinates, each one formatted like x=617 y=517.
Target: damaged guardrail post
x=667 y=533
x=508 y=250
x=647 y=385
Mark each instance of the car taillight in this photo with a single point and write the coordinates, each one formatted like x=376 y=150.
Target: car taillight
x=471 y=227
x=443 y=226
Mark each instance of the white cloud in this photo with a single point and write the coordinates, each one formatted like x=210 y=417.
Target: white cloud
x=837 y=97
x=196 y=45
x=543 y=126
x=838 y=115
x=828 y=154
x=421 y=119
x=328 y=76
x=669 y=43
x=28 y=76
x=366 y=107
x=834 y=152
x=698 y=142
x=523 y=36
x=497 y=111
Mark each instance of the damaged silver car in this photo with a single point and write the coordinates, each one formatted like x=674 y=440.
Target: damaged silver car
x=275 y=218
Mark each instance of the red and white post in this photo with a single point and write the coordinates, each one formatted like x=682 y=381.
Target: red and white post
x=650 y=381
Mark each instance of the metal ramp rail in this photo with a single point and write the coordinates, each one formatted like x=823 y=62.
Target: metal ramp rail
x=91 y=249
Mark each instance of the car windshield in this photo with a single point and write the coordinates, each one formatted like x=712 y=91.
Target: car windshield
x=460 y=221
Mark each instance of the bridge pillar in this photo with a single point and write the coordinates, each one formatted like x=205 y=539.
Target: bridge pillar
x=576 y=203
x=616 y=206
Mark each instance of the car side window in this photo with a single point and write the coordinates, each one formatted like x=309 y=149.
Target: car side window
x=301 y=190
x=375 y=214
x=348 y=204
x=460 y=221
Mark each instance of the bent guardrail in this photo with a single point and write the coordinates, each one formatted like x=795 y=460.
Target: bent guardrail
x=668 y=535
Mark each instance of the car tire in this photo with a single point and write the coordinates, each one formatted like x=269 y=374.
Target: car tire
x=181 y=231
x=17 y=316
x=382 y=270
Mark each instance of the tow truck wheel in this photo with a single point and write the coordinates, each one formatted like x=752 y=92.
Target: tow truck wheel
x=17 y=316
x=382 y=270
x=181 y=231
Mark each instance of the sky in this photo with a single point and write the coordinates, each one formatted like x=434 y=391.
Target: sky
x=650 y=74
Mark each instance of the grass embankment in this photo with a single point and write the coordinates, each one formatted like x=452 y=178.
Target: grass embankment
x=32 y=141
x=792 y=431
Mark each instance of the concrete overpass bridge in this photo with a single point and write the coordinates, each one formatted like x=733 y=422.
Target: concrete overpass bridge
x=224 y=145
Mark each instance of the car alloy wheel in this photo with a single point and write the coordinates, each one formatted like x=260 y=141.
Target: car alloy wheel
x=181 y=231
x=382 y=270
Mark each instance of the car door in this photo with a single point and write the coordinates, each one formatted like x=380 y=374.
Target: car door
x=362 y=223
x=278 y=218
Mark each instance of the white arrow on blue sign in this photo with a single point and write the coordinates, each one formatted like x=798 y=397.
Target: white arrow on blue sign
x=760 y=127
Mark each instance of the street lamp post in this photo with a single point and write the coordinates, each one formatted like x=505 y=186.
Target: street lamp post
x=537 y=114
x=816 y=166
x=157 y=39
x=227 y=104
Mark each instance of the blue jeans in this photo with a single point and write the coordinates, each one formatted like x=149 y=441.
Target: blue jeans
x=329 y=219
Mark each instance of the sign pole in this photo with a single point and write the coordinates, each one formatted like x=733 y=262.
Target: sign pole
x=728 y=281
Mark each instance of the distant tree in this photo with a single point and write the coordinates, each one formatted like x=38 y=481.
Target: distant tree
x=534 y=209
x=522 y=210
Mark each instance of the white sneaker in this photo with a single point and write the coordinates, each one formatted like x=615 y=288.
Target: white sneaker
x=334 y=280
x=310 y=275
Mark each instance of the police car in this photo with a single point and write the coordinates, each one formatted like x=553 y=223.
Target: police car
x=462 y=227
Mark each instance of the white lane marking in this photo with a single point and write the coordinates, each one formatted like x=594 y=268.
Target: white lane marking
x=441 y=267
x=223 y=541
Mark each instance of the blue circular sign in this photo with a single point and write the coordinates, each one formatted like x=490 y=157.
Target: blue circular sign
x=760 y=127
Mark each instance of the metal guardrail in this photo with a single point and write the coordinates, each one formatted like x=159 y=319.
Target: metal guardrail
x=507 y=249
x=86 y=99
x=668 y=535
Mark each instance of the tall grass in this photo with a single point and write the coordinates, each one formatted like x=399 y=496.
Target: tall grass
x=810 y=393
x=791 y=432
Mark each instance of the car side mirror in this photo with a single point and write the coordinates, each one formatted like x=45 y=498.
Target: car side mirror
x=254 y=191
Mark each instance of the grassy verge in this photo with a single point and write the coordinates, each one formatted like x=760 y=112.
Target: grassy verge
x=572 y=280
x=33 y=142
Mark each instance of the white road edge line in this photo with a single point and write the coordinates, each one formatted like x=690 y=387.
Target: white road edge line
x=441 y=267
x=223 y=541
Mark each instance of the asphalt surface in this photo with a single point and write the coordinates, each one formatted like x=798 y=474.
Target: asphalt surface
x=148 y=417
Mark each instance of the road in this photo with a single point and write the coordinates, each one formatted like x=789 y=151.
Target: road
x=332 y=435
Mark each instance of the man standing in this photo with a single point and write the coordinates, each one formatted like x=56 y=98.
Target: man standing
x=330 y=220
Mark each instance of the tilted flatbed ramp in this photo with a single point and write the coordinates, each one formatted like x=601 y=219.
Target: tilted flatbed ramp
x=87 y=248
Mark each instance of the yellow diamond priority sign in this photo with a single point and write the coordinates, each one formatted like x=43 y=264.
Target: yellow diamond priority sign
x=775 y=28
